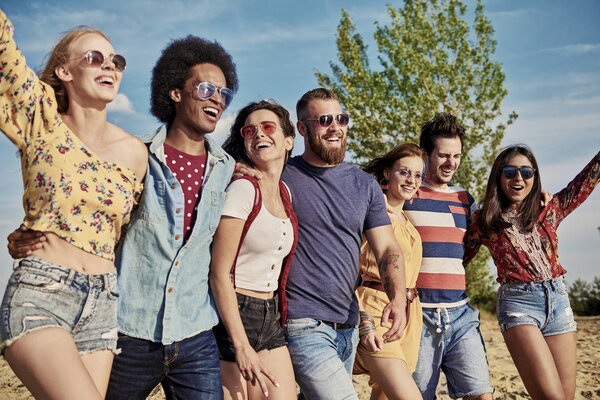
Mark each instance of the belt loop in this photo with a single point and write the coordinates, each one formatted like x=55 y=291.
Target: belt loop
x=70 y=277
x=106 y=282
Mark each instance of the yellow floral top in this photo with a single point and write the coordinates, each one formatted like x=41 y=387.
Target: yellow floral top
x=67 y=189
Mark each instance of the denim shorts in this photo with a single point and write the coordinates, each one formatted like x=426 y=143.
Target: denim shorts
x=544 y=304
x=262 y=322
x=451 y=342
x=42 y=294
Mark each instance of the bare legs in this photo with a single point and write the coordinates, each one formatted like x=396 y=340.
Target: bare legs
x=547 y=365
x=278 y=360
x=393 y=380
x=47 y=362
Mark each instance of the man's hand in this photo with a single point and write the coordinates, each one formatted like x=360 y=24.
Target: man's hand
x=23 y=242
x=242 y=169
x=396 y=311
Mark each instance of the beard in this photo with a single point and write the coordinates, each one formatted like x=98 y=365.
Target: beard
x=328 y=155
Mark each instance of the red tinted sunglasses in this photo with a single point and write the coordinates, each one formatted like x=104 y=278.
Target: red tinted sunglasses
x=267 y=127
x=95 y=59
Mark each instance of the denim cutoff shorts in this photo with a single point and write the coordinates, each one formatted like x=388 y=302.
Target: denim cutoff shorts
x=544 y=304
x=42 y=294
x=262 y=322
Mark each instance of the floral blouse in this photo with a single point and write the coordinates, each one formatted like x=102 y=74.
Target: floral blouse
x=517 y=254
x=68 y=190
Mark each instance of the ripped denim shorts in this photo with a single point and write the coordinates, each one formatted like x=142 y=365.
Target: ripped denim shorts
x=43 y=294
x=544 y=304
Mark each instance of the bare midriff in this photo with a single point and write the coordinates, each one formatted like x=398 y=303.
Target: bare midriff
x=58 y=251
x=255 y=293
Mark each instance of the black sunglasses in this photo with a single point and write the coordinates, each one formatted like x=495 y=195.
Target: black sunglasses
x=510 y=172
x=327 y=119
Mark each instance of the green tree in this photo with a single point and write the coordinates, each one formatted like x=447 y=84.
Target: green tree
x=585 y=297
x=429 y=60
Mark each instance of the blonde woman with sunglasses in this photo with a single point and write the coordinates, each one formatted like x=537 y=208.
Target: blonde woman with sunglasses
x=82 y=176
x=533 y=308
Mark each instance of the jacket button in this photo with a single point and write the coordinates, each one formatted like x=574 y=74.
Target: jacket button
x=178 y=211
x=176 y=237
x=170 y=290
x=173 y=186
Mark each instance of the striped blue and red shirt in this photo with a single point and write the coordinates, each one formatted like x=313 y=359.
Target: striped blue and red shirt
x=441 y=217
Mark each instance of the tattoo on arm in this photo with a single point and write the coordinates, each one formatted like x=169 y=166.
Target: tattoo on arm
x=386 y=265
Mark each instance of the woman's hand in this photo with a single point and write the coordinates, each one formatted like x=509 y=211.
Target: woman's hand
x=371 y=341
x=252 y=368
x=22 y=242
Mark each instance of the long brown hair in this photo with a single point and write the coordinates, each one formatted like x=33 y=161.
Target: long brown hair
x=60 y=54
x=378 y=165
x=494 y=201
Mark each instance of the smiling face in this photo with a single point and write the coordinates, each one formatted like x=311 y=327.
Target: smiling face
x=443 y=162
x=88 y=84
x=323 y=146
x=194 y=115
x=264 y=149
x=404 y=178
x=516 y=189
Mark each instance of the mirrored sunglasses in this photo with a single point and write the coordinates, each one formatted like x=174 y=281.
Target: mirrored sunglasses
x=267 y=127
x=206 y=90
x=510 y=172
x=327 y=119
x=95 y=59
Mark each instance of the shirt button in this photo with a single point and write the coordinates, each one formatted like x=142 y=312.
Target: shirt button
x=176 y=237
x=178 y=210
x=283 y=222
x=269 y=284
x=279 y=248
x=283 y=233
x=173 y=186
x=170 y=290
x=273 y=266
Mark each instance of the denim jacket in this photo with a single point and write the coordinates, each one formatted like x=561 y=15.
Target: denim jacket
x=163 y=283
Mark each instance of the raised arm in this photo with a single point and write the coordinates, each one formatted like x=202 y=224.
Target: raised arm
x=21 y=94
x=390 y=262
x=578 y=190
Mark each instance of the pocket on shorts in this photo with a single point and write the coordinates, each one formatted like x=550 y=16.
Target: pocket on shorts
x=514 y=290
x=112 y=291
x=39 y=280
x=560 y=286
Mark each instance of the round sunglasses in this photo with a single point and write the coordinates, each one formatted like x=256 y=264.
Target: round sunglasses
x=510 y=172
x=96 y=59
x=407 y=173
x=327 y=119
x=206 y=90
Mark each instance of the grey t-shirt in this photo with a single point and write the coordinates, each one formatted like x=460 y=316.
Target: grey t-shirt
x=334 y=207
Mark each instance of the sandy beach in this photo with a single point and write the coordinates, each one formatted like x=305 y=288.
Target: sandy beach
x=505 y=379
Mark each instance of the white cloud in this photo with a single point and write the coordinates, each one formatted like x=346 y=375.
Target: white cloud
x=574 y=49
x=222 y=129
x=121 y=104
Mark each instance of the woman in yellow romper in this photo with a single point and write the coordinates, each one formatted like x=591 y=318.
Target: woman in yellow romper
x=390 y=365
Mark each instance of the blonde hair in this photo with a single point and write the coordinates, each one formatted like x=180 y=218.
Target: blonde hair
x=60 y=54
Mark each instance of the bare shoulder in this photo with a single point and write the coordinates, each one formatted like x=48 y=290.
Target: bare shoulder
x=130 y=150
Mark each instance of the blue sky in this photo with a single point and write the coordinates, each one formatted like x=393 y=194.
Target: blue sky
x=550 y=52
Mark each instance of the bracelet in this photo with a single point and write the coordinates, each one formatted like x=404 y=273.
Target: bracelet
x=365 y=316
x=363 y=330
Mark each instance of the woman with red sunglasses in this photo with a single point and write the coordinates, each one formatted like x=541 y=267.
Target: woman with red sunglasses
x=533 y=308
x=251 y=255
x=82 y=176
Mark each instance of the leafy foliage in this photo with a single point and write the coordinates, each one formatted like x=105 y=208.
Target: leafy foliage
x=585 y=297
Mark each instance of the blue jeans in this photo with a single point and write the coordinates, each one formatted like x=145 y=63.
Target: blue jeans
x=544 y=304
x=451 y=342
x=188 y=369
x=322 y=359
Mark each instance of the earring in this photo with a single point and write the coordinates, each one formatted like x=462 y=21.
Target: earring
x=383 y=184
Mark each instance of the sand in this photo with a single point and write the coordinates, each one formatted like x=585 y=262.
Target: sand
x=505 y=379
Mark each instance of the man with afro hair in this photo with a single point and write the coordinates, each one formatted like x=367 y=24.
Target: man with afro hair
x=166 y=312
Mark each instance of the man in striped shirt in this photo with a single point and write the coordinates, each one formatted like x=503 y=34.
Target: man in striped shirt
x=451 y=340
